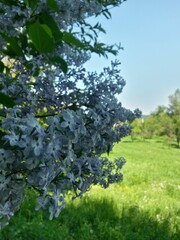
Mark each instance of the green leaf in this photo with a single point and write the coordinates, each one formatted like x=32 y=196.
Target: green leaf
x=106 y=13
x=9 y=2
x=1 y=67
x=71 y=40
x=12 y=45
x=2 y=142
x=63 y=63
x=50 y=22
x=32 y=3
x=24 y=40
x=6 y=100
x=9 y=52
x=99 y=27
x=42 y=38
x=53 y=4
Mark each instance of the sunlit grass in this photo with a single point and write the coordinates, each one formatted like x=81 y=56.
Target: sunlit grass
x=144 y=206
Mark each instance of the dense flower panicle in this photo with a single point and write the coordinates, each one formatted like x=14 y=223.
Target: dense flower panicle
x=60 y=121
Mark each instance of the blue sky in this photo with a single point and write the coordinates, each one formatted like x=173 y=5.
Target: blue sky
x=149 y=32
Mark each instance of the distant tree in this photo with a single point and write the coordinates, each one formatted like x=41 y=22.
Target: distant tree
x=136 y=128
x=160 y=110
x=158 y=123
x=142 y=128
x=56 y=118
x=174 y=113
x=149 y=127
x=162 y=122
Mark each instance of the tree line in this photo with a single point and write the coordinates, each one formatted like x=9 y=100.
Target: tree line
x=164 y=121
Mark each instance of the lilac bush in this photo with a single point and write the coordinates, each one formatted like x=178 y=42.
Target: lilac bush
x=56 y=118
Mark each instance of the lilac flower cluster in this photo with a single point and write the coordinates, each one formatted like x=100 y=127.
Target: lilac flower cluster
x=61 y=123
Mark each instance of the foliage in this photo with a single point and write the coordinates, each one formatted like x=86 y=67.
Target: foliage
x=144 y=206
x=143 y=128
x=136 y=128
x=56 y=118
x=164 y=121
x=174 y=112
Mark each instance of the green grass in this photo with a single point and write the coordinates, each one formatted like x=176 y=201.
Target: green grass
x=145 y=206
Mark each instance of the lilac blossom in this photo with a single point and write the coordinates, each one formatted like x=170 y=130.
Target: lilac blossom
x=54 y=135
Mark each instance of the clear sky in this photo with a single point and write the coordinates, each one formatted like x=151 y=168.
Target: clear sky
x=149 y=32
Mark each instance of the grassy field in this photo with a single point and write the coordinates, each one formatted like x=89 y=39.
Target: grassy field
x=145 y=206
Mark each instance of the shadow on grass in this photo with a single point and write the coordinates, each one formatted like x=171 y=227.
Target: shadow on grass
x=174 y=145
x=90 y=220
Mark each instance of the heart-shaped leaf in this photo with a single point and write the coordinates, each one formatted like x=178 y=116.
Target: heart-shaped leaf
x=42 y=38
